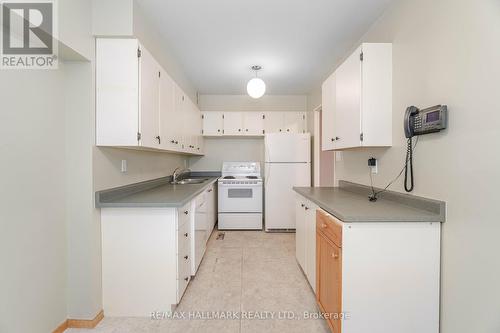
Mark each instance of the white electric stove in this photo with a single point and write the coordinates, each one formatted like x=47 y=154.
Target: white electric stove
x=240 y=196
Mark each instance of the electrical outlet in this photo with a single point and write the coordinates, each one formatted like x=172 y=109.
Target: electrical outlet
x=373 y=165
x=124 y=166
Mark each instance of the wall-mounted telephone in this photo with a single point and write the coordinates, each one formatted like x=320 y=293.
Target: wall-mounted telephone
x=430 y=120
x=420 y=122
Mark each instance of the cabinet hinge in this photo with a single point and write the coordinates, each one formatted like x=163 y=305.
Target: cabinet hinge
x=361 y=56
x=139 y=53
x=138 y=136
x=361 y=137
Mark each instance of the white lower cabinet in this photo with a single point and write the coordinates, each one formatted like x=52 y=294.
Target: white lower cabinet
x=305 y=237
x=146 y=258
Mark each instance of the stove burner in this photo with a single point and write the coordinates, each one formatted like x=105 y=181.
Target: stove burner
x=252 y=177
x=229 y=177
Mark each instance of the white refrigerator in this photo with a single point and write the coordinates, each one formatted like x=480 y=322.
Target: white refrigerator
x=287 y=164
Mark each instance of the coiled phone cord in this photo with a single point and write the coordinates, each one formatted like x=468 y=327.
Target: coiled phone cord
x=409 y=164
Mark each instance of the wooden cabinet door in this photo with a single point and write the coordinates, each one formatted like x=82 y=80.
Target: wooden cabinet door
x=348 y=102
x=149 y=78
x=253 y=123
x=213 y=123
x=300 y=231
x=329 y=279
x=294 y=122
x=328 y=134
x=233 y=123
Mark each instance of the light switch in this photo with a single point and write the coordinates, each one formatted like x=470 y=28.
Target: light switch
x=124 y=165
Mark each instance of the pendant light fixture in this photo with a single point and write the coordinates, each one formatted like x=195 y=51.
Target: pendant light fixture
x=256 y=87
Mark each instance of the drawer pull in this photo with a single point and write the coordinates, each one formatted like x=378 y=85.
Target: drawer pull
x=302 y=205
x=186 y=279
x=186 y=257
x=186 y=234
x=186 y=212
x=335 y=255
x=306 y=208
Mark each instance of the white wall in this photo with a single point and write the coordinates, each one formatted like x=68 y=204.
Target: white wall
x=32 y=201
x=218 y=150
x=447 y=51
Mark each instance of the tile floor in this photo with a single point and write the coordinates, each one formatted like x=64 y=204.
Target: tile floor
x=249 y=272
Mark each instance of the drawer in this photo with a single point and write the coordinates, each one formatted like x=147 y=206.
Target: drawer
x=185 y=213
x=184 y=236
x=329 y=226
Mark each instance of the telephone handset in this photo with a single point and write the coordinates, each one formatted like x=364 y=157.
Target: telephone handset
x=420 y=122
x=430 y=120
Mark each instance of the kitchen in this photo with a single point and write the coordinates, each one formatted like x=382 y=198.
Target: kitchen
x=239 y=167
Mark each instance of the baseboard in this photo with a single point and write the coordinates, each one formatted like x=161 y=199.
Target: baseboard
x=80 y=323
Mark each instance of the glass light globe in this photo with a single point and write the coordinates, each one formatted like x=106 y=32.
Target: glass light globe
x=256 y=87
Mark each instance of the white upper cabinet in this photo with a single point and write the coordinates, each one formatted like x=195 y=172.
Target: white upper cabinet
x=149 y=110
x=274 y=122
x=233 y=123
x=253 y=123
x=213 y=123
x=117 y=92
x=294 y=122
x=137 y=103
x=167 y=112
x=328 y=114
x=361 y=104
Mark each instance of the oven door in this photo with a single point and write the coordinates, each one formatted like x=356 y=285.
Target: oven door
x=240 y=198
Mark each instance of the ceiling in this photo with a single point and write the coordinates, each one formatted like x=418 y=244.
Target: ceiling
x=297 y=42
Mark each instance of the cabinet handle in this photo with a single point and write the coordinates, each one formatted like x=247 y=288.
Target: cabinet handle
x=280 y=129
x=335 y=255
x=288 y=130
x=176 y=142
x=239 y=129
x=186 y=212
x=333 y=139
x=302 y=205
x=186 y=279
x=306 y=208
x=337 y=138
x=246 y=130
x=210 y=190
x=172 y=141
x=186 y=234
x=323 y=225
x=218 y=130
x=159 y=139
x=186 y=257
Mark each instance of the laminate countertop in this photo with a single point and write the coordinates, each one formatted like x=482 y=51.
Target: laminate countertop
x=153 y=193
x=349 y=203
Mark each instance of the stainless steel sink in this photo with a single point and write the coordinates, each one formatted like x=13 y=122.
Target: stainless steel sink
x=189 y=181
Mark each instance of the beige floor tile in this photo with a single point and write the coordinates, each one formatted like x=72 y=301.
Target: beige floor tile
x=246 y=271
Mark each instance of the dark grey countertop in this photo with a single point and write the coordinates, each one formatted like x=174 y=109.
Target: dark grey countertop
x=153 y=193
x=349 y=203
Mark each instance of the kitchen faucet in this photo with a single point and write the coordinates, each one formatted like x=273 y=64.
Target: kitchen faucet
x=176 y=174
